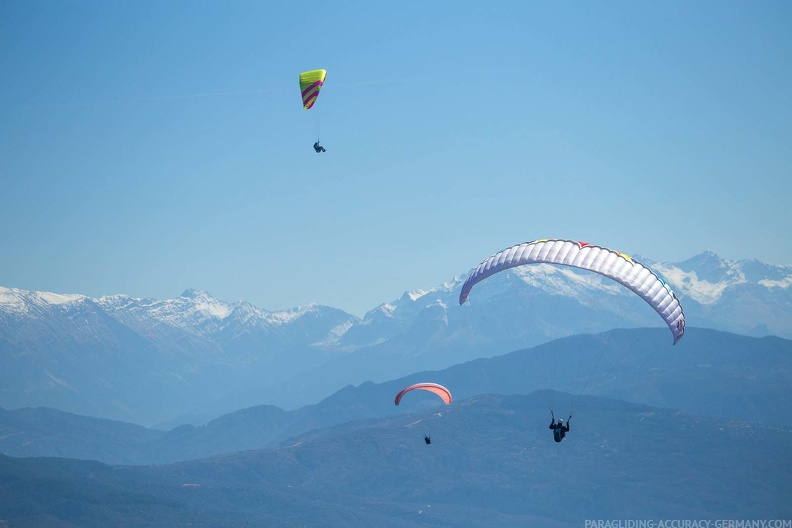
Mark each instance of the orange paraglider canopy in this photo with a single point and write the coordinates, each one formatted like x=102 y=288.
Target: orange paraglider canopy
x=441 y=391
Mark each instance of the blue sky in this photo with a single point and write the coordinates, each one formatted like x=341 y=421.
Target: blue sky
x=148 y=147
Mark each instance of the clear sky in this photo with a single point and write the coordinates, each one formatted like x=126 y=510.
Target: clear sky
x=147 y=147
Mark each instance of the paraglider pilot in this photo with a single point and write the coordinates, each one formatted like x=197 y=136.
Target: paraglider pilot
x=559 y=429
x=319 y=148
x=427 y=439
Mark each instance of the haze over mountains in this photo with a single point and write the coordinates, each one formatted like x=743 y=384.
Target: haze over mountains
x=193 y=358
x=699 y=430
x=492 y=462
x=710 y=373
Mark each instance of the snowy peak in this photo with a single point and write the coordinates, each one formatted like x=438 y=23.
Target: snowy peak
x=710 y=267
x=291 y=314
x=768 y=275
x=192 y=293
x=195 y=312
x=203 y=304
x=705 y=278
x=689 y=284
x=415 y=295
x=706 y=258
x=23 y=301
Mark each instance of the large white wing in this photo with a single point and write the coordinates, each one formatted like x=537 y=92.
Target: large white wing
x=612 y=264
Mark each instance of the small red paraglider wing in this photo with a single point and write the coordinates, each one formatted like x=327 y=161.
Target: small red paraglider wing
x=441 y=391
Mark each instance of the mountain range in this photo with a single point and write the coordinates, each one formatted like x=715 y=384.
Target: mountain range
x=710 y=373
x=492 y=462
x=194 y=358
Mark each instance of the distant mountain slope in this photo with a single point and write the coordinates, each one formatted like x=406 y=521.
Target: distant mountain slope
x=747 y=297
x=145 y=360
x=710 y=373
x=153 y=361
x=492 y=462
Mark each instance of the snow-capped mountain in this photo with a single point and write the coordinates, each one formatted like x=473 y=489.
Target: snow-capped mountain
x=148 y=361
x=747 y=296
x=144 y=360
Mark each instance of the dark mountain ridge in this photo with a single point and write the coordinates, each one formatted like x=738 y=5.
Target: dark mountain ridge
x=709 y=373
x=492 y=462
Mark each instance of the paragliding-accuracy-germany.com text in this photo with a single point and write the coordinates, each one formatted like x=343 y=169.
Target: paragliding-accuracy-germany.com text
x=688 y=523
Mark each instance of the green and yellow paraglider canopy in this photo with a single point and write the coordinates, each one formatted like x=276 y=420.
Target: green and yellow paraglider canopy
x=310 y=84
